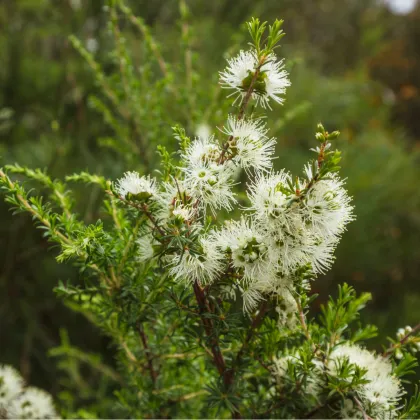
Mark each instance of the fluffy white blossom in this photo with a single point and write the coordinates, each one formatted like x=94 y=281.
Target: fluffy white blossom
x=270 y=83
x=33 y=403
x=251 y=147
x=251 y=296
x=327 y=207
x=246 y=246
x=381 y=395
x=135 y=185
x=183 y=213
x=11 y=384
x=322 y=254
x=270 y=200
x=305 y=230
x=289 y=251
x=203 y=266
x=210 y=184
x=171 y=199
x=202 y=149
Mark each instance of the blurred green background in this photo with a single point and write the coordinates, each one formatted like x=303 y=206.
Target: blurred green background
x=354 y=65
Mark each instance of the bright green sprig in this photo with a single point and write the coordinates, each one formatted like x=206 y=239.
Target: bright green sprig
x=257 y=29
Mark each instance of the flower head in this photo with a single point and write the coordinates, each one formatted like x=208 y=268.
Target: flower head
x=210 y=184
x=327 y=207
x=251 y=147
x=203 y=265
x=270 y=199
x=245 y=244
x=172 y=198
x=268 y=78
x=134 y=186
x=380 y=396
x=202 y=149
x=33 y=403
x=11 y=384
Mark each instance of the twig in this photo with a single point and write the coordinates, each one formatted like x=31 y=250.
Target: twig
x=360 y=406
x=142 y=207
x=402 y=341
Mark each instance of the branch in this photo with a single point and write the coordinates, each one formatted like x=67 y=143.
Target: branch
x=143 y=208
x=209 y=329
x=217 y=355
x=256 y=323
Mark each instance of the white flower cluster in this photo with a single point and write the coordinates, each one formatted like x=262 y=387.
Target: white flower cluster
x=381 y=395
x=17 y=402
x=280 y=233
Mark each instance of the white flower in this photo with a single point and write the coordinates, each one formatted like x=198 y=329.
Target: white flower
x=381 y=395
x=271 y=199
x=254 y=129
x=138 y=186
x=251 y=296
x=238 y=70
x=171 y=200
x=276 y=82
x=210 y=185
x=203 y=266
x=11 y=384
x=327 y=207
x=246 y=245
x=183 y=213
x=201 y=150
x=33 y=403
x=251 y=147
x=291 y=250
x=270 y=83
x=322 y=255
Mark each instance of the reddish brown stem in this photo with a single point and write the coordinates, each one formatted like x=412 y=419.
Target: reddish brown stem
x=254 y=326
x=218 y=358
x=143 y=337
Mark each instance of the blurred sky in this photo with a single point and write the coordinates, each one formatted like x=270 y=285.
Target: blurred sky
x=401 y=6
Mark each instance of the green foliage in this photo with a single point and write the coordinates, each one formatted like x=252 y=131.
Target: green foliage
x=126 y=97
